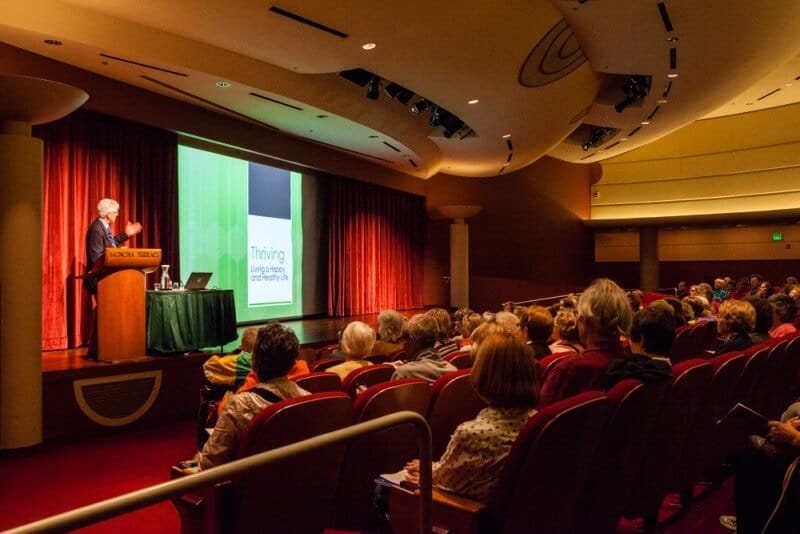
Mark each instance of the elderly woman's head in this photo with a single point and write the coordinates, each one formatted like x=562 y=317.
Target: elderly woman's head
x=357 y=340
x=249 y=339
x=565 y=325
x=507 y=320
x=390 y=325
x=736 y=316
x=484 y=330
x=443 y=320
x=419 y=333
x=470 y=322
x=505 y=374
x=785 y=308
x=537 y=324
x=604 y=309
x=276 y=349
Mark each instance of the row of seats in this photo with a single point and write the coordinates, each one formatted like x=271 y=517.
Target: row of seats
x=339 y=480
x=647 y=442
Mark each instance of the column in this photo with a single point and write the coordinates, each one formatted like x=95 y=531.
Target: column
x=648 y=258
x=459 y=251
x=25 y=101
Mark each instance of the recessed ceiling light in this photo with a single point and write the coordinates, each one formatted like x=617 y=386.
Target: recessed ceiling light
x=373 y=136
x=672 y=39
x=749 y=104
x=223 y=84
x=662 y=101
x=624 y=139
x=368 y=46
x=322 y=116
x=53 y=42
x=788 y=85
x=644 y=123
x=473 y=101
x=672 y=75
x=507 y=136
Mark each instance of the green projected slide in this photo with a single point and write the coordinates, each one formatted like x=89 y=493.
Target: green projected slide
x=242 y=221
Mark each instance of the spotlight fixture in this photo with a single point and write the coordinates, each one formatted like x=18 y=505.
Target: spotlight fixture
x=420 y=106
x=373 y=88
x=451 y=124
x=368 y=46
x=398 y=92
x=436 y=116
x=636 y=89
x=596 y=136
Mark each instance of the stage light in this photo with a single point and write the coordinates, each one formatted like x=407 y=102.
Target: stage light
x=373 y=88
x=597 y=135
x=398 y=92
x=636 y=89
x=420 y=106
x=436 y=116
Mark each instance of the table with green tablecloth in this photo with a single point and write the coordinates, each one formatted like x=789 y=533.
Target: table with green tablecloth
x=182 y=321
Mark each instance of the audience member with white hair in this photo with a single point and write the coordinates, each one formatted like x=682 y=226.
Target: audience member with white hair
x=357 y=342
x=421 y=359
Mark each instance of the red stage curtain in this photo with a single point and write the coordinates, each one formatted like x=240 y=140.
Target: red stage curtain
x=88 y=156
x=375 y=248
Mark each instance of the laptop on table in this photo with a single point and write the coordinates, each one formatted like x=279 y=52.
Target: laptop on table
x=197 y=281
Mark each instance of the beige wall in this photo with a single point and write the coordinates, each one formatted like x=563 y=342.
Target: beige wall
x=742 y=163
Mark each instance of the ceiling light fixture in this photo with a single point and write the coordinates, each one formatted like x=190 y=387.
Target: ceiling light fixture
x=636 y=88
x=623 y=139
x=224 y=85
x=322 y=116
x=374 y=88
x=672 y=75
x=644 y=123
x=398 y=92
x=473 y=101
x=368 y=46
x=662 y=101
x=507 y=136
x=420 y=106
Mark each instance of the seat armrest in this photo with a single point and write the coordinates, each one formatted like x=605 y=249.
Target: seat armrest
x=451 y=513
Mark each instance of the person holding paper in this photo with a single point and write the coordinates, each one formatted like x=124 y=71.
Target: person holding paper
x=98 y=237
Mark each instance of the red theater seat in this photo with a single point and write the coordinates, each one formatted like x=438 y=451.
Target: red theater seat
x=320 y=365
x=539 y=486
x=454 y=401
x=382 y=452
x=461 y=359
x=319 y=382
x=258 y=499
x=365 y=377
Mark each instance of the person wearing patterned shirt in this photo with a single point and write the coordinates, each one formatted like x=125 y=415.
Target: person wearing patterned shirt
x=504 y=375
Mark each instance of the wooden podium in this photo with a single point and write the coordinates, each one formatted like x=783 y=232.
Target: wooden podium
x=121 y=302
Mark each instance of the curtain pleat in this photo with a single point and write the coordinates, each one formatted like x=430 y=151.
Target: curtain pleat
x=375 y=249
x=89 y=156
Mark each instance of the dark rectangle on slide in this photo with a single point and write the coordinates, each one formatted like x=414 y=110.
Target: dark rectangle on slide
x=269 y=193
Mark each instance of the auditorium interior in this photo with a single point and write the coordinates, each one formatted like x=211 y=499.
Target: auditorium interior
x=520 y=150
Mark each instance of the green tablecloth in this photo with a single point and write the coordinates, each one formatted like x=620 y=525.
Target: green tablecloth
x=181 y=321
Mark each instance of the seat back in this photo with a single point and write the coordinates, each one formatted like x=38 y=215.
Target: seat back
x=320 y=365
x=771 y=390
x=365 y=377
x=382 y=452
x=708 y=339
x=319 y=382
x=325 y=352
x=634 y=406
x=544 y=474
x=453 y=401
x=751 y=374
x=376 y=358
x=547 y=363
x=681 y=347
x=460 y=360
x=698 y=448
x=690 y=381
x=258 y=501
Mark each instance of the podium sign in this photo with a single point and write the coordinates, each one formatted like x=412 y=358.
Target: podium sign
x=121 y=302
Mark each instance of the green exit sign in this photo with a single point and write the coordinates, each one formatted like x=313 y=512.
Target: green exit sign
x=777 y=236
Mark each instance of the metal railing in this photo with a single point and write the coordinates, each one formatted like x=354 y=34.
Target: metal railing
x=93 y=513
x=665 y=290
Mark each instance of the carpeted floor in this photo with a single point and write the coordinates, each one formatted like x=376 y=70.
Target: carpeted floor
x=60 y=477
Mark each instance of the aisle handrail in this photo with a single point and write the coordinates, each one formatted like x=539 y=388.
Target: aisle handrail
x=93 y=513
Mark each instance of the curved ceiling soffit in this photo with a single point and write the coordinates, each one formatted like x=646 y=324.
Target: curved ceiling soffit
x=674 y=48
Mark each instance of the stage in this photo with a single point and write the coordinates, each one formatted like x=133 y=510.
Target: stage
x=84 y=397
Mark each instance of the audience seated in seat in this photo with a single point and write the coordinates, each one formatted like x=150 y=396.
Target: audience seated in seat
x=652 y=334
x=736 y=320
x=420 y=333
x=275 y=352
x=231 y=370
x=468 y=325
x=604 y=315
x=445 y=343
x=357 y=342
x=536 y=324
x=565 y=331
x=764 y=318
x=390 y=326
x=784 y=312
x=505 y=376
